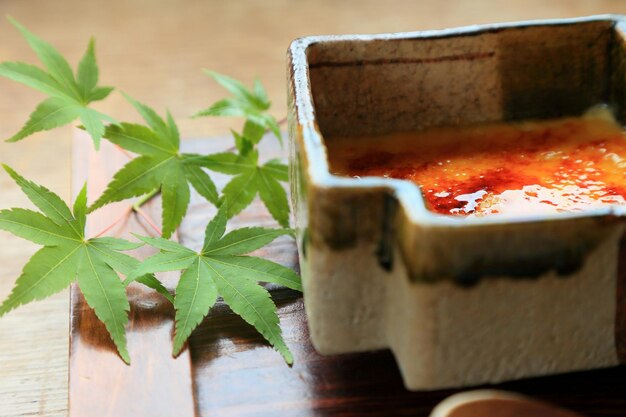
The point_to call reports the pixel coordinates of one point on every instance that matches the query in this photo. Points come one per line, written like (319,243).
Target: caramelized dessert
(509,169)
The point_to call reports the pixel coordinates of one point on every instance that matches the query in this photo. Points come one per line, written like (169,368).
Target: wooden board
(100,383)
(234,371)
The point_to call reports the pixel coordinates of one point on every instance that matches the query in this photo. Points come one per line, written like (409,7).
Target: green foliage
(221,269)
(67,254)
(69,95)
(160,166)
(250,179)
(250,104)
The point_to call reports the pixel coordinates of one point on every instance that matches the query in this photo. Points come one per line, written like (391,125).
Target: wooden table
(153,50)
(229,369)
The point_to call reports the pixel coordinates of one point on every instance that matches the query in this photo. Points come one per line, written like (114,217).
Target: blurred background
(154,50)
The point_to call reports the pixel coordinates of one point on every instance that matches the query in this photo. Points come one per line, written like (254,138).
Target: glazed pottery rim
(408,194)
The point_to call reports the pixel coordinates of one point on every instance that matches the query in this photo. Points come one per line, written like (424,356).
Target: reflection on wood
(100,383)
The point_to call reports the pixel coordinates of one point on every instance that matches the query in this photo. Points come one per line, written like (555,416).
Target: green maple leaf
(68,256)
(251,104)
(250,179)
(220,269)
(69,95)
(161,166)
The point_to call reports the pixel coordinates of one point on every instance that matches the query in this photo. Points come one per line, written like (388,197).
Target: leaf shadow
(148,311)
(224,333)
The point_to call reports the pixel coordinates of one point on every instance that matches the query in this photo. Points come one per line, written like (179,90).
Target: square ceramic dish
(382,271)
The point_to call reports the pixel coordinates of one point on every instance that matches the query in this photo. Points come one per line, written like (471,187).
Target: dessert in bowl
(459,197)
(504,169)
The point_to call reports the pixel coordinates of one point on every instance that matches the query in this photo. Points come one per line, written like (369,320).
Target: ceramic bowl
(459,301)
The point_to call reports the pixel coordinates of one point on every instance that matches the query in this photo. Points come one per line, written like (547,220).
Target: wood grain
(153,50)
(100,383)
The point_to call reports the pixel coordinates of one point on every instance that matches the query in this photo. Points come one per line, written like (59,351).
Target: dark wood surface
(236,373)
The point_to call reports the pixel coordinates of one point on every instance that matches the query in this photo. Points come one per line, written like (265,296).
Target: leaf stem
(279,123)
(143,200)
(124,216)
(148,220)
(140,202)
(124,151)
(137,209)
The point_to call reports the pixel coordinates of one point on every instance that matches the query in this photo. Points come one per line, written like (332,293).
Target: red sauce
(568,164)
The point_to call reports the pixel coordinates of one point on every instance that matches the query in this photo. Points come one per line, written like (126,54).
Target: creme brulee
(568,164)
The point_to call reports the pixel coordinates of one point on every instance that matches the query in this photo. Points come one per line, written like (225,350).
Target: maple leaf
(69,95)
(221,269)
(161,166)
(250,179)
(251,104)
(67,256)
